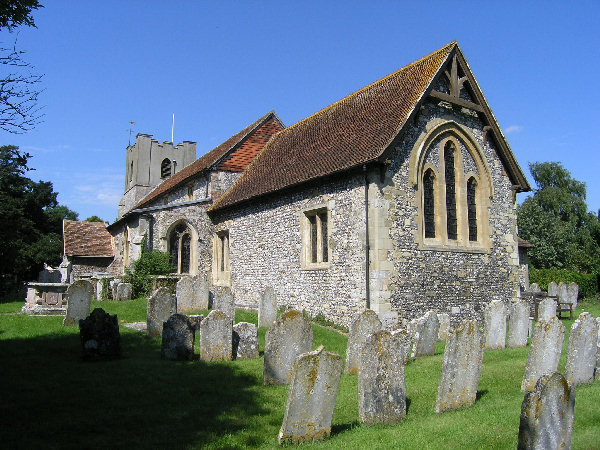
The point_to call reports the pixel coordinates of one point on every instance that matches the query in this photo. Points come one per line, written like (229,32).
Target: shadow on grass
(51,398)
(480,394)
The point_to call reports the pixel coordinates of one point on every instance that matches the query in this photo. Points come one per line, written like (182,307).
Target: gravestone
(289,336)
(563,293)
(223,301)
(79,302)
(196,320)
(365,324)
(495,325)
(518,324)
(177,339)
(582,350)
(113,288)
(311,397)
(389,320)
(201,293)
(100,294)
(444,320)
(124,292)
(415,328)
(553,289)
(535,288)
(161,305)
(598,351)
(245,341)
(381,389)
(544,353)
(463,358)
(100,336)
(547,414)
(216,334)
(267,308)
(547,309)
(404,341)
(186,299)
(573,294)
(426,336)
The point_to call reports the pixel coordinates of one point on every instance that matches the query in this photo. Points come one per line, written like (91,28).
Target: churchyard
(52,398)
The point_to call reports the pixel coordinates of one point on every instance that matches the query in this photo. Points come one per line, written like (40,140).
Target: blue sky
(218,66)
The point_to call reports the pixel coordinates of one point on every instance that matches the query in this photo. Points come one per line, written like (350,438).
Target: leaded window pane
(174,249)
(451,219)
(323,217)
(313,238)
(429,204)
(185,253)
(472,208)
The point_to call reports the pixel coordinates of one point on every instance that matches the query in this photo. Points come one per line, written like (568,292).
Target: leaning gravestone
(100,337)
(573,294)
(463,358)
(535,288)
(185,295)
(427,335)
(79,295)
(404,341)
(161,305)
(361,328)
(415,328)
(216,332)
(124,291)
(547,309)
(381,390)
(547,414)
(311,397)
(289,336)
(444,320)
(201,293)
(177,339)
(223,301)
(553,289)
(267,308)
(544,353)
(581,354)
(495,325)
(518,324)
(245,341)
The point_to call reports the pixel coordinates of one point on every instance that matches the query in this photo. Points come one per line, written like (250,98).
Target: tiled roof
(238,151)
(351,132)
(87,239)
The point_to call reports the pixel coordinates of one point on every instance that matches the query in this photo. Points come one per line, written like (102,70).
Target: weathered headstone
(547,414)
(100,337)
(553,289)
(161,305)
(544,353)
(361,328)
(223,301)
(518,324)
(404,341)
(381,389)
(113,288)
(426,336)
(444,320)
(267,308)
(79,295)
(563,293)
(389,320)
(124,291)
(415,329)
(216,333)
(534,287)
(495,325)
(311,397)
(201,293)
(581,354)
(289,336)
(573,294)
(184,291)
(463,358)
(196,320)
(547,309)
(177,339)
(245,341)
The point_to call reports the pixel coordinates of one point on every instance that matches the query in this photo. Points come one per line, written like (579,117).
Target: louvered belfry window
(449,171)
(429,203)
(472,208)
(165,168)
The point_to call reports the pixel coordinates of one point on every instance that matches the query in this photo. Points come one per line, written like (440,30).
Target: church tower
(148,163)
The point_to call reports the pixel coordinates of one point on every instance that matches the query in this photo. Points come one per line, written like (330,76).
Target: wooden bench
(563,308)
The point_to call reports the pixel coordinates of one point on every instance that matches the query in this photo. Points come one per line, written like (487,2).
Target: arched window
(180,242)
(472,208)
(429,203)
(449,171)
(165,168)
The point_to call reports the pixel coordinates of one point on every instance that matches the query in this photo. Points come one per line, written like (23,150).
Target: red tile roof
(87,239)
(233,155)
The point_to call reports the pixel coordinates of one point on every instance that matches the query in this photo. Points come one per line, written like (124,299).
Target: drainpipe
(367,247)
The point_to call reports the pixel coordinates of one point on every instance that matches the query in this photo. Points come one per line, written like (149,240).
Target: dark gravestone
(177,338)
(100,337)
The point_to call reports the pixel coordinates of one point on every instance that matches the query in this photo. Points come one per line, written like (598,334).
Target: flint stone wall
(366,324)
(311,397)
(177,339)
(544,353)
(518,324)
(581,353)
(161,305)
(216,334)
(80,294)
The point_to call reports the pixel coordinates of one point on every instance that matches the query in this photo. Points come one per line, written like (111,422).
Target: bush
(588,283)
(149,263)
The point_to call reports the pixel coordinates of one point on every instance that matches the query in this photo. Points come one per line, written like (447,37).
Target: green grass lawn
(52,399)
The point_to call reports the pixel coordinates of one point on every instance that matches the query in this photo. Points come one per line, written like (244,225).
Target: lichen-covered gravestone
(177,339)
(553,289)
(404,341)
(547,414)
(289,336)
(495,325)
(161,305)
(544,353)
(563,293)
(381,390)
(113,288)
(426,337)
(100,336)
(267,308)
(535,288)
(518,324)
(223,301)
(216,332)
(311,397)
(573,294)
(547,309)
(245,341)
(463,358)
(366,324)
(581,355)
(185,295)
(124,291)
(201,293)
(389,320)
(80,295)
(444,320)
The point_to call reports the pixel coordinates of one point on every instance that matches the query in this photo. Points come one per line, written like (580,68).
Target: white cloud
(513,129)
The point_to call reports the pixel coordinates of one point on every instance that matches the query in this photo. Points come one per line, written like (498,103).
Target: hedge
(588,283)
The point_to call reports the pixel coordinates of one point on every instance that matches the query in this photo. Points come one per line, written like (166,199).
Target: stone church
(400,197)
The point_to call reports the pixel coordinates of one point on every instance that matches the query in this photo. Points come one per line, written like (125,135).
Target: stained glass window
(451,220)
(429,203)
(472,208)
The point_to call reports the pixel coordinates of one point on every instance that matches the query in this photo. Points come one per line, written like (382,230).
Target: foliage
(94,219)
(149,263)
(555,220)
(17,12)
(588,283)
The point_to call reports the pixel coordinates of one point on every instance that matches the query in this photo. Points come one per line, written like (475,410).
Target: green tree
(17,12)
(94,219)
(556,221)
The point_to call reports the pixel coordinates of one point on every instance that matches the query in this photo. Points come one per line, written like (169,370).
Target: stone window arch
(429,203)
(472,208)
(181,247)
(165,168)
